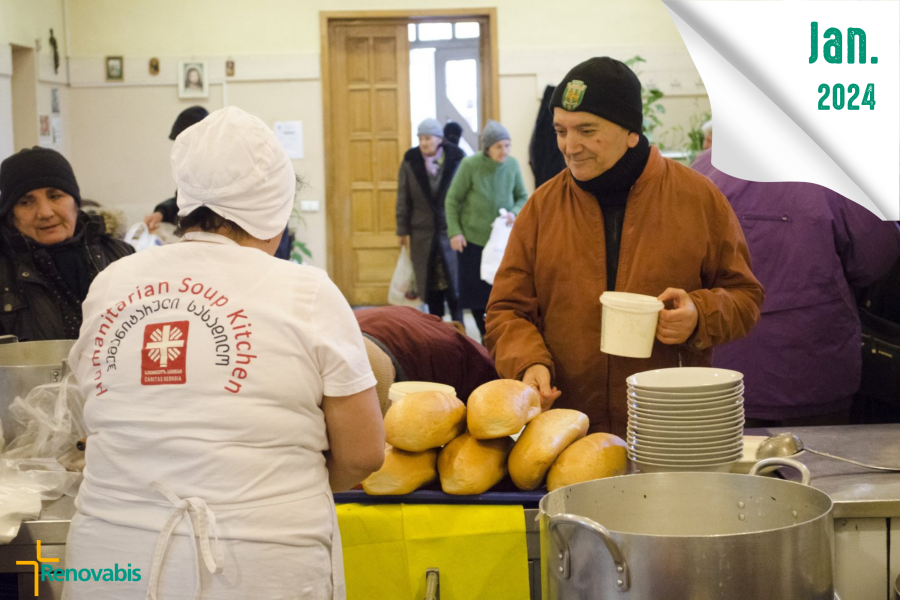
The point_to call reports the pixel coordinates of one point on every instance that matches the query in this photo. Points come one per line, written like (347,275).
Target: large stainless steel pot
(680,536)
(26,365)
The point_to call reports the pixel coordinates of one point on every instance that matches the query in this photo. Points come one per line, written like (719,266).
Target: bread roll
(596,456)
(470,466)
(542,441)
(500,408)
(402,472)
(423,420)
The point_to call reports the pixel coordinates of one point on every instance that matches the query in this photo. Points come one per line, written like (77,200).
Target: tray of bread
(498,448)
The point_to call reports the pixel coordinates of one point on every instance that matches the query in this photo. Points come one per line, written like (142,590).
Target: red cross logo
(164,356)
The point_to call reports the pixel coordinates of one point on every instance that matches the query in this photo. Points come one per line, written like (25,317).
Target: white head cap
(232,163)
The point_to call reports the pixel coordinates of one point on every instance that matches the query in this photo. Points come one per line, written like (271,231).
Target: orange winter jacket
(679,231)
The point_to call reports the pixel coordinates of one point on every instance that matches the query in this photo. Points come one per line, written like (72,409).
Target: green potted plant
(650,99)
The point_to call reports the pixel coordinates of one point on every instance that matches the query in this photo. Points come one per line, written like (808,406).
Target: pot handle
(622,582)
(782,462)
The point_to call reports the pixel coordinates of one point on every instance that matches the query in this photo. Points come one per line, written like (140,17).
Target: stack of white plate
(685,419)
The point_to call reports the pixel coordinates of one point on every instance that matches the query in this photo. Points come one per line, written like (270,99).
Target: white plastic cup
(629,324)
(402,388)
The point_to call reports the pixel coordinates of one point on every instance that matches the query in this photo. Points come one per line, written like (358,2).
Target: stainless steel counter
(857,492)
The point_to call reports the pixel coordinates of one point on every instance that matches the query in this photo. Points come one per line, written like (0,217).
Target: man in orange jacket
(620,217)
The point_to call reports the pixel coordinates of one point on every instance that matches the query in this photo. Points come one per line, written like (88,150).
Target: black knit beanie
(604,87)
(186,118)
(32,169)
(452,132)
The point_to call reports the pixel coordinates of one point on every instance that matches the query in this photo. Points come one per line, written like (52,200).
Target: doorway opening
(383,72)
(444,71)
(24,97)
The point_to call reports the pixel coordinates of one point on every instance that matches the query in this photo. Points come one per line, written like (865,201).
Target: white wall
(6,118)
(28,23)
(116,133)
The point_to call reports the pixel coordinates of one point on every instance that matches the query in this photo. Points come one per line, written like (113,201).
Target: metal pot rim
(542,505)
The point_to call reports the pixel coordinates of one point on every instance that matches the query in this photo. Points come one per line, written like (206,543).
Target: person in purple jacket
(810,248)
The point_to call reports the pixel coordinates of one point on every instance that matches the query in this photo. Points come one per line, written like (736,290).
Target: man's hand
(153,220)
(458,242)
(403,241)
(677,324)
(510,218)
(538,377)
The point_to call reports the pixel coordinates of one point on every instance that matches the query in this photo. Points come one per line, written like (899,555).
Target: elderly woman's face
(499,150)
(46,215)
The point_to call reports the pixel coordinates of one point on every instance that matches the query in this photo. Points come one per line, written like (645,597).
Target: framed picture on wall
(115,70)
(192,80)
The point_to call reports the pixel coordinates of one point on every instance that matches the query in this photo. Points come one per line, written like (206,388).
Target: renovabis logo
(46,572)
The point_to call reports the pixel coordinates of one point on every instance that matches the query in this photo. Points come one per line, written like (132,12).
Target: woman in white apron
(228,393)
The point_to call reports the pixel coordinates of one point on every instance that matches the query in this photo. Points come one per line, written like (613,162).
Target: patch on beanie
(573,95)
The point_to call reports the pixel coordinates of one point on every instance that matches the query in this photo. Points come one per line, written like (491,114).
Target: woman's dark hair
(206,219)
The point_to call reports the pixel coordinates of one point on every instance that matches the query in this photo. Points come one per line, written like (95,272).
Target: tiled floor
(471,327)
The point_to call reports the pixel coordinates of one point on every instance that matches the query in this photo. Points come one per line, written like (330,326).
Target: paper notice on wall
(802,91)
(44,121)
(56,130)
(290,134)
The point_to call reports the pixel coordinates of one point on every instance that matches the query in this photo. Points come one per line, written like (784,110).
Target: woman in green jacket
(484,183)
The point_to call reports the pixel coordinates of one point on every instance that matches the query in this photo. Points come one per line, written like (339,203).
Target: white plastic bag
(50,420)
(24,483)
(144,239)
(496,246)
(403,284)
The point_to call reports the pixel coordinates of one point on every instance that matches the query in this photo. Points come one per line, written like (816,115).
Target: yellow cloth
(480,551)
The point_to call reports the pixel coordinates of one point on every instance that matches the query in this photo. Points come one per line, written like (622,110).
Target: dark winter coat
(29,309)
(420,214)
(544,155)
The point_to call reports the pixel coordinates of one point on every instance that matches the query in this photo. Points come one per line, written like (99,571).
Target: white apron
(203,365)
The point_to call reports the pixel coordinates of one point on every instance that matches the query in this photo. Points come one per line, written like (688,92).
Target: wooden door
(368,104)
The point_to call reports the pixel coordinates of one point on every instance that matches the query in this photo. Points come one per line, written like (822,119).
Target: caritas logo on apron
(164,354)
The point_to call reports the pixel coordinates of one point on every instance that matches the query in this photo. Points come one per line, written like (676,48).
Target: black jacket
(169,210)
(546,159)
(28,307)
(421,216)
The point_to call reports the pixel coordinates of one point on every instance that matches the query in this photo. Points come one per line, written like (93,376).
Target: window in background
(422,103)
(467,30)
(462,88)
(432,32)
(445,76)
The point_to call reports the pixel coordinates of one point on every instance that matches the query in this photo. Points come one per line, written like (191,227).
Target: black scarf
(67,269)
(611,190)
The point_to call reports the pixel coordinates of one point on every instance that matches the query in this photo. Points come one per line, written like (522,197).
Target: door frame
(490,85)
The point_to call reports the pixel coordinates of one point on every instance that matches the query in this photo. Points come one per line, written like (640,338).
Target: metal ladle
(788,444)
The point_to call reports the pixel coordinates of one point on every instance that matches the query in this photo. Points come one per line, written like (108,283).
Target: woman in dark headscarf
(50,251)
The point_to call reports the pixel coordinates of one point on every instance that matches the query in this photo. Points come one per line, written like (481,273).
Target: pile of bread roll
(433,434)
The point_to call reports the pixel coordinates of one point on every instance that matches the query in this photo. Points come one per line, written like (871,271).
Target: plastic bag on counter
(493,251)
(403,284)
(50,421)
(24,484)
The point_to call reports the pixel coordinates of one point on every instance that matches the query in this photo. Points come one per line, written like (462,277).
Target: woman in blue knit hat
(50,251)
(484,183)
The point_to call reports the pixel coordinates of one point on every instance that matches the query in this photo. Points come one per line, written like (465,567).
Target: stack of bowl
(685,419)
